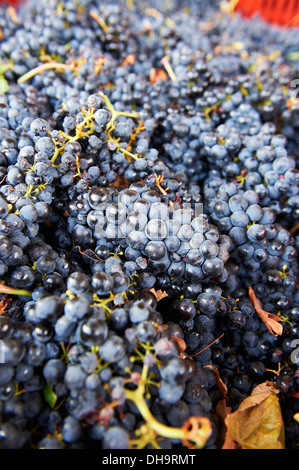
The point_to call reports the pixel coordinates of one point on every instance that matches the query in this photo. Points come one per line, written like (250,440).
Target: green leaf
(50,396)
(4,87)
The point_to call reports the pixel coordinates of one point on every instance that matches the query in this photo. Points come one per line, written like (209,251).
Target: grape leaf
(219,382)
(222,408)
(129,60)
(271,321)
(158,74)
(257,423)
(49,395)
(181,344)
(159,294)
(120,182)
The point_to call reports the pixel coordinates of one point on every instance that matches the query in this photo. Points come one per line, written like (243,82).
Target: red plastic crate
(280,12)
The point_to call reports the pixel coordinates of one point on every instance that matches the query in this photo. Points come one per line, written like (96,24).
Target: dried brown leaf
(271,321)
(129,60)
(222,408)
(264,388)
(159,294)
(257,423)
(157,74)
(181,344)
(229,442)
(219,382)
(222,411)
(121,182)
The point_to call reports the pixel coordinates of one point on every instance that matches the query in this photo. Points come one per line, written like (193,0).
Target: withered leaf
(219,382)
(158,74)
(222,408)
(121,182)
(129,60)
(271,321)
(181,344)
(257,423)
(159,294)
(229,442)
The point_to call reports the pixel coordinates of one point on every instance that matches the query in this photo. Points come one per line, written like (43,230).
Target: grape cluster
(148,212)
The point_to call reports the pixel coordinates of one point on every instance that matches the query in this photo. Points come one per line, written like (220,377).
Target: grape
(76,309)
(171,393)
(74,377)
(116,438)
(93,332)
(78,283)
(54,371)
(113,349)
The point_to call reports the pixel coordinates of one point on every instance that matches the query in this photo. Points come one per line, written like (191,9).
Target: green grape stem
(12,291)
(43,67)
(137,396)
(113,111)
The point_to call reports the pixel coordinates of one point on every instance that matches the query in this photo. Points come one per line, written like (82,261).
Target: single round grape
(156,229)
(93,332)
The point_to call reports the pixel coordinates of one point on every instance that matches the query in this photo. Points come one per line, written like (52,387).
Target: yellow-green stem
(29,190)
(137,396)
(11,291)
(42,68)
(115,113)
